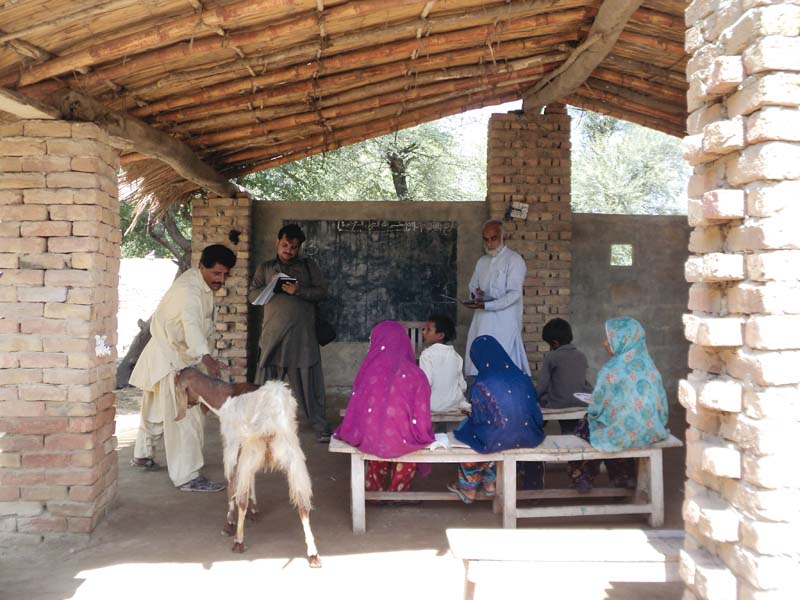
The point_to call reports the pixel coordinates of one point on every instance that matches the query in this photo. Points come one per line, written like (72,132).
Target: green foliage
(622,168)
(138,242)
(427,158)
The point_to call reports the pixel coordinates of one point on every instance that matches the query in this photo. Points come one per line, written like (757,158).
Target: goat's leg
(311,548)
(238,541)
(230,519)
(252,509)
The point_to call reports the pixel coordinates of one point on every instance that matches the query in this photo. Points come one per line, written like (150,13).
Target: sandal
(201,484)
(147,464)
(454,487)
(489,493)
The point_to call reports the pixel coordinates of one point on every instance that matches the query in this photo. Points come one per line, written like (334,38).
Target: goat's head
(184,395)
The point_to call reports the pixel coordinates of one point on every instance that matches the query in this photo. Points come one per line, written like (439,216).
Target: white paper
(583,397)
(441,441)
(269,290)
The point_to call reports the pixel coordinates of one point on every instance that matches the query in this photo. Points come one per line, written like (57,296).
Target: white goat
(259,432)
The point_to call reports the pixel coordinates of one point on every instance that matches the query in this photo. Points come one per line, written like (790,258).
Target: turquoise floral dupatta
(629,406)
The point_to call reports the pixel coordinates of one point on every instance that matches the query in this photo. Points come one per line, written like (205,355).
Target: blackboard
(379,270)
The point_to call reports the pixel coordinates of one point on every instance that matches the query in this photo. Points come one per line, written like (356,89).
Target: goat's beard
(494,252)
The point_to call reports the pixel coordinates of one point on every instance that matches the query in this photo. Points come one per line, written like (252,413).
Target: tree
(622,168)
(166,235)
(425,162)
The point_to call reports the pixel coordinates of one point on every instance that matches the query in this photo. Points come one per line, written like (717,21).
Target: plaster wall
(340,360)
(651,290)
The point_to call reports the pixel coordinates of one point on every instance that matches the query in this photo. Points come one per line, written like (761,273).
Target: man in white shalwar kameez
(182,330)
(496,291)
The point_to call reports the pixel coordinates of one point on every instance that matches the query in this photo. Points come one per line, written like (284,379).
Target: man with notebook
(288,346)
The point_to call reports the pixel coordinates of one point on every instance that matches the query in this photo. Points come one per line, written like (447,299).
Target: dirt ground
(158,541)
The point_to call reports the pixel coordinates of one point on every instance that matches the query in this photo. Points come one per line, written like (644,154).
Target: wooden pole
(25,108)
(607,26)
(129,133)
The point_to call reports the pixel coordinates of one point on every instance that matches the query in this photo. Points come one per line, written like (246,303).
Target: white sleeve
(194,329)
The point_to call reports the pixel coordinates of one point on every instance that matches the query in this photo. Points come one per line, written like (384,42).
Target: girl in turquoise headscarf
(629,405)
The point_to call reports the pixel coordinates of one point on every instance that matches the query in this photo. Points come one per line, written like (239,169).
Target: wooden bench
(648,498)
(523,555)
(414,331)
(548,414)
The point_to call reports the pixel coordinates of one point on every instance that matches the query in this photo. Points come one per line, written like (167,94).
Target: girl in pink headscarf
(389,412)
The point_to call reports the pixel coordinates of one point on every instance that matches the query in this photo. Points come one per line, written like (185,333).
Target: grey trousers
(308,386)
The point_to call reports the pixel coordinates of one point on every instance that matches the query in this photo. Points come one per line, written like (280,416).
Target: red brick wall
(212,221)
(59,253)
(529,161)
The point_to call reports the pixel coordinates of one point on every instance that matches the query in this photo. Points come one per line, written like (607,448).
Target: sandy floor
(158,541)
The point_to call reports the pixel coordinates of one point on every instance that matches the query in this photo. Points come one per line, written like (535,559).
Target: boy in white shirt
(442,365)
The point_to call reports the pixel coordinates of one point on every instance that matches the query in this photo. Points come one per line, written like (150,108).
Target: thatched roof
(251,84)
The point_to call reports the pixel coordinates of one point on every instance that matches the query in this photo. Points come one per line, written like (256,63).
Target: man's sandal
(145,464)
(201,484)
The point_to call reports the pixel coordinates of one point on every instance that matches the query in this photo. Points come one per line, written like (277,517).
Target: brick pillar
(529,161)
(742,396)
(213,219)
(59,253)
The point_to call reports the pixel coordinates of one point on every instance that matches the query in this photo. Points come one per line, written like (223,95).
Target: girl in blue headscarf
(629,405)
(505,414)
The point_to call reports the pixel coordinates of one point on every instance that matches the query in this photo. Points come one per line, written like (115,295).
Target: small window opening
(621,255)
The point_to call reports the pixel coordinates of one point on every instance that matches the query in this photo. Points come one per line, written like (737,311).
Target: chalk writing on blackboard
(374,226)
(378,269)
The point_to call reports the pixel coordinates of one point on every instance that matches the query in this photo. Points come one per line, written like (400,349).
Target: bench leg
(497,501)
(509,493)
(656,518)
(357,498)
(469,586)
(642,493)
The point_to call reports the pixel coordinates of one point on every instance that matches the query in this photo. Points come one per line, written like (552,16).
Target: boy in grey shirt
(563,372)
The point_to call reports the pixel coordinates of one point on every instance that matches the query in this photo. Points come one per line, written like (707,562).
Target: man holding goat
(182,331)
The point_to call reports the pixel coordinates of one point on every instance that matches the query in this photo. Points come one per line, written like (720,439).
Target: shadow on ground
(158,542)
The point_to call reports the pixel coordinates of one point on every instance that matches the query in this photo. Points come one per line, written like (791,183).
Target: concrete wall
(652,290)
(341,359)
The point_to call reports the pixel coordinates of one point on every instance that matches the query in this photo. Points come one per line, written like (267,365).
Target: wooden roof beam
(471,79)
(129,133)
(25,108)
(353,135)
(607,26)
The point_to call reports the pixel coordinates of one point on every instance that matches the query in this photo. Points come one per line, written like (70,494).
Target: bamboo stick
(439,73)
(168,31)
(366,94)
(663,46)
(592,104)
(664,109)
(433,45)
(638,106)
(676,96)
(606,28)
(67,20)
(320,87)
(360,134)
(645,70)
(471,78)
(273,33)
(306,138)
